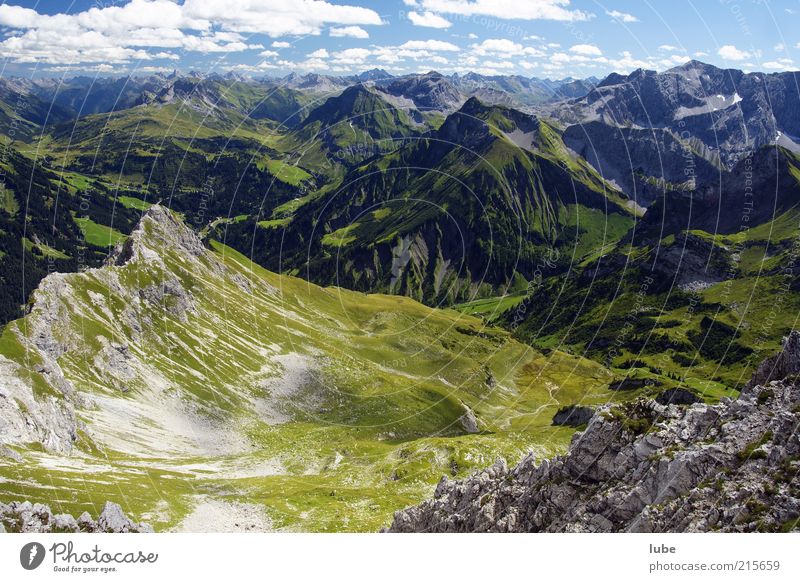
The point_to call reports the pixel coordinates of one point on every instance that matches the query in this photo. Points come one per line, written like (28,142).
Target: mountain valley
(295,303)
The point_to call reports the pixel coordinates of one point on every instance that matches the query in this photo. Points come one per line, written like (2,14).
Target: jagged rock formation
(653,133)
(27,517)
(646,467)
(727,109)
(784,365)
(43,411)
(431,91)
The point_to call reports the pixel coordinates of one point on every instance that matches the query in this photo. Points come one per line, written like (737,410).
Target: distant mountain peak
(374,75)
(473,105)
(694,65)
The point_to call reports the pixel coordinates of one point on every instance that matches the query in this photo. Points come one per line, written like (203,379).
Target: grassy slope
(513,199)
(373,427)
(97,234)
(755,305)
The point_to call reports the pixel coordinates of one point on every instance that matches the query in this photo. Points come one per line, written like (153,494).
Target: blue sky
(541,38)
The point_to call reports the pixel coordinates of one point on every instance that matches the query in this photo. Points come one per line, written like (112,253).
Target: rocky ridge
(647,467)
(39,405)
(27,517)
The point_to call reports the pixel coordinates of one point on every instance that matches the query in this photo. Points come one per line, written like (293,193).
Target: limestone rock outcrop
(647,467)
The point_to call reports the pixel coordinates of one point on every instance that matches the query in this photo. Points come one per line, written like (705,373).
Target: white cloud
(780,65)
(673,60)
(424,51)
(277,18)
(428,19)
(124,32)
(497,45)
(731,53)
(567,58)
(268,54)
(586,49)
(281,44)
(779,48)
(430,45)
(621,16)
(350,31)
(507,9)
(667,47)
(627,63)
(498,64)
(472,35)
(504,47)
(351,56)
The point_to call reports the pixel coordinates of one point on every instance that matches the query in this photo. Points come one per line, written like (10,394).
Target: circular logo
(31,555)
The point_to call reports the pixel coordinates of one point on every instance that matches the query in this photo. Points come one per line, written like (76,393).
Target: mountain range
(304,299)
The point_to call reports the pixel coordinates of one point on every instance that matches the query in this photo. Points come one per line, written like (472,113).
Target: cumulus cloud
(429,20)
(281,44)
(432,45)
(506,9)
(351,31)
(504,47)
(780,65)
(731,53)
(586,49)
(426,51)
(621,16)
(351,56)
(126,32)
(627,62)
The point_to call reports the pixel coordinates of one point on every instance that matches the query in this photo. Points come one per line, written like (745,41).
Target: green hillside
(688,304)
(463,212)
(205,379)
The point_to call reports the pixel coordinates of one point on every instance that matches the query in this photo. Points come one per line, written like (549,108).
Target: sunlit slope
(701,291)
(197,379)
(470,210)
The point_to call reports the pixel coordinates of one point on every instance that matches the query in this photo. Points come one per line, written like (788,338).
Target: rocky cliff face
(38,401)
(645,467)
(654,133)
(728,110)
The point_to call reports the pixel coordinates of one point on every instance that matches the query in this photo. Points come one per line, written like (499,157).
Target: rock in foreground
(26,517)
(647,467)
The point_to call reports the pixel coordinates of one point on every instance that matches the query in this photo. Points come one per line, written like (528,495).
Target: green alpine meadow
(445,284)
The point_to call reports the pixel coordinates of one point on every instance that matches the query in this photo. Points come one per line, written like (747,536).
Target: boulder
(25,517)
